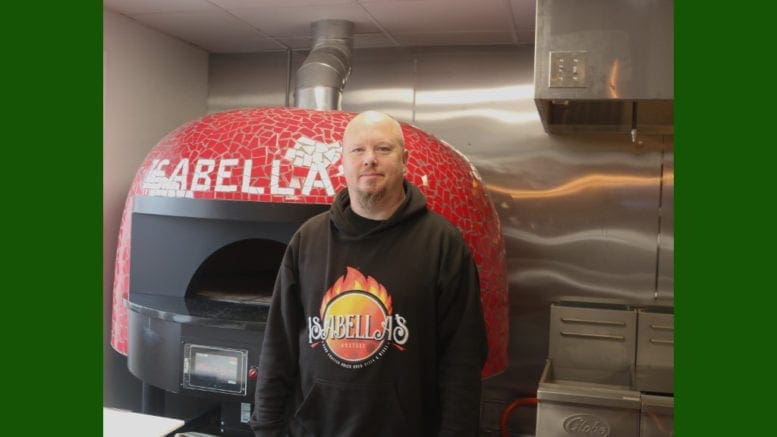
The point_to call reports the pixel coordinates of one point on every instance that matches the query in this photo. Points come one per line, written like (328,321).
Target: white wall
(152,83)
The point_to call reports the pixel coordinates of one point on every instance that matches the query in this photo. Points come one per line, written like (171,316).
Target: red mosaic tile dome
(289,155)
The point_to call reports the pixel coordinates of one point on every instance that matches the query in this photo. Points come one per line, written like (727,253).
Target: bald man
(375,161)
(375,326)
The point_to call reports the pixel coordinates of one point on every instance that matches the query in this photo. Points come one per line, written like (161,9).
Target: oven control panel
(215,369)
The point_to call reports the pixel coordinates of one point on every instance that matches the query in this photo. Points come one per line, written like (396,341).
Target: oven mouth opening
(242,272)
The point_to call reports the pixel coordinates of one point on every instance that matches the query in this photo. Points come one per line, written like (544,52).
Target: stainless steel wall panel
(382,80)
(479,99)
(246,81)
(582,220)
(665,275)
(579,213)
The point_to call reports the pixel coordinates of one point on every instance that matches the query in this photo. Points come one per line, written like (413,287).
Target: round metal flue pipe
(321,77)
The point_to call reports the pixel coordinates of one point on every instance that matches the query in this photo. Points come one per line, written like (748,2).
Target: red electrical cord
(508,409)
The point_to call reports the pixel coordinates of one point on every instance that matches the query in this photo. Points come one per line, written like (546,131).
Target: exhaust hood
(605,66)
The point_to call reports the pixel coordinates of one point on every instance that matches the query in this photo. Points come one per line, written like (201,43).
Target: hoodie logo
(357,324)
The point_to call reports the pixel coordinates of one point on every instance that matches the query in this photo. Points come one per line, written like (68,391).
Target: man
(375,326)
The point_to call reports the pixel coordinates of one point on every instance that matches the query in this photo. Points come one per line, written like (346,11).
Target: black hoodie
(375,329)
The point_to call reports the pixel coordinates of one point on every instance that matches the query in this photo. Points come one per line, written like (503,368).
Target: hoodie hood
(413,206)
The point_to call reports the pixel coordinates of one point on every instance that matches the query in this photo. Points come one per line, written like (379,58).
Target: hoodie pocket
(346,409)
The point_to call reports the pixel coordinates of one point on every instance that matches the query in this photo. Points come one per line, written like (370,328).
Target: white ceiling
(242,26)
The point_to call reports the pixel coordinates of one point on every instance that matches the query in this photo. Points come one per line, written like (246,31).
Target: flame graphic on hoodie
(354,280)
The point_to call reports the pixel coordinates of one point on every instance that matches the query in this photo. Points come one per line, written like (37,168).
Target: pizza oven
(206,223)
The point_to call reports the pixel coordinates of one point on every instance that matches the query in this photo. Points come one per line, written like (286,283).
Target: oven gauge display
(215,369)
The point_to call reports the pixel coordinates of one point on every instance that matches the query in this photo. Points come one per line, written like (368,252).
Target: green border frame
(724,301)
(52,287)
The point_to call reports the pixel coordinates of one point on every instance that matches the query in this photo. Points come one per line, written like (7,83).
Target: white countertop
(122,423)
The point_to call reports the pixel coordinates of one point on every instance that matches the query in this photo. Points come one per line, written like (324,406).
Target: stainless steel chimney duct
(322,76)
